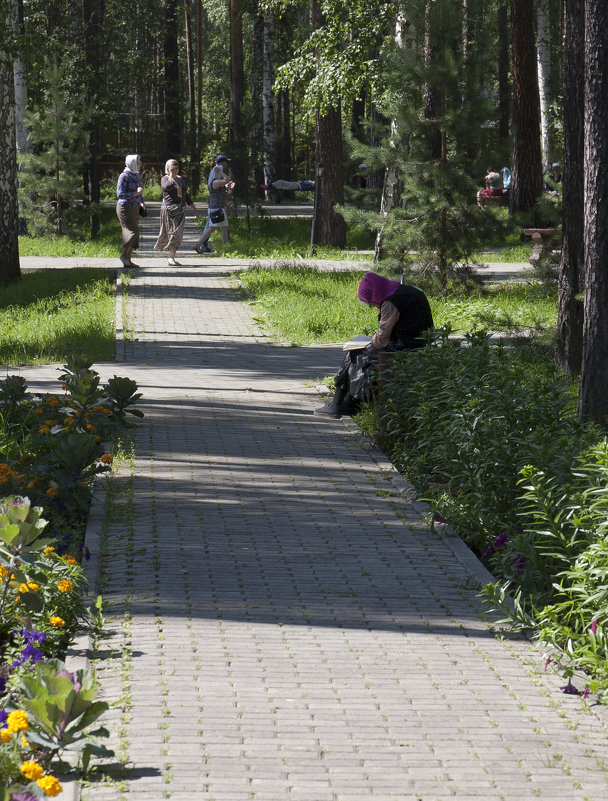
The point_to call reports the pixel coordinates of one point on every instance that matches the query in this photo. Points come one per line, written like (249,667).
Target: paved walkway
(280,623)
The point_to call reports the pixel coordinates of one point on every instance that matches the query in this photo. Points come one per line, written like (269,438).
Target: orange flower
(106,458)
(65,585)
(50,785)
(51,491)
(31,770)
(57,622)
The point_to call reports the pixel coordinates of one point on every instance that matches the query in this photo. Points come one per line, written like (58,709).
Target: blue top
(128,182)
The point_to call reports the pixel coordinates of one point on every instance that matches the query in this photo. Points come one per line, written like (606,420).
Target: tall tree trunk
(93,12)
(268,115)
(173,107)
(504,89)
(331,227)
(593,398)
(195,172)
(543,38)
(572,274)
(24,144)
(257,128)
(527,180)
(430,96)
(9,210)
(236,131)
(389,185)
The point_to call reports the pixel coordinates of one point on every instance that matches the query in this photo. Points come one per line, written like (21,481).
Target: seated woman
(404,314)
(494,186)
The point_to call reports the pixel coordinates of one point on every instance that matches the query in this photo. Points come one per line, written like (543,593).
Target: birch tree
(268,107)
(543,60)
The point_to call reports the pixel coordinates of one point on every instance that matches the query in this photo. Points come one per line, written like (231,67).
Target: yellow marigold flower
(23,588)
(50,785)
(17,721)
(70,560)
(4,572)
(58,622)
(45,430)
(106,458)
(91,428)
(5,735)
(38,410)
(31,485)
(3,478)
(31,770)
(51,491)
(52,401)
(68,420)
(24,742)
(65,585)
(49,422)
(33,586)
(49,550)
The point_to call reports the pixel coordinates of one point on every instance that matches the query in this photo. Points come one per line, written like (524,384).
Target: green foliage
(63,708)
(122,392)
(308,306)
(51,176)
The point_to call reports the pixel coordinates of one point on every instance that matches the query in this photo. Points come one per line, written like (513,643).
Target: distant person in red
(494,185)
(404,313)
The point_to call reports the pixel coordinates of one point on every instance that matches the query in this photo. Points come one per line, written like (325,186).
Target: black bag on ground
(217,216)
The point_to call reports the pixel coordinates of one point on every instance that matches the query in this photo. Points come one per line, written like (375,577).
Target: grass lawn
(50,313)
(307,307)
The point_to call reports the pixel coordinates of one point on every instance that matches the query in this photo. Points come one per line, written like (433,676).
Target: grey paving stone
(294,635)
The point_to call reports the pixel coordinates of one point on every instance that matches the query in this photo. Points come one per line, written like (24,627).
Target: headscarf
(374,289)
(131,163)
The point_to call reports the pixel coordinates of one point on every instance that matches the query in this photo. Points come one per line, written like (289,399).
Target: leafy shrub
(489,434)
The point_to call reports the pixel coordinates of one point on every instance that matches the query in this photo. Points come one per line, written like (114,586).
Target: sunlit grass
(50,313)
(303,306)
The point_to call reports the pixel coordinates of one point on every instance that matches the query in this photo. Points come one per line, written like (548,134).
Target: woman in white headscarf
(129,191)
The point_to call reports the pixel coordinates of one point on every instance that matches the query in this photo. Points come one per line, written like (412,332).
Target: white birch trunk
(387,201)
(268,115)
(544,78)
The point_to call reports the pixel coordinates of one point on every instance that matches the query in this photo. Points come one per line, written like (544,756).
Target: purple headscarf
(375,289)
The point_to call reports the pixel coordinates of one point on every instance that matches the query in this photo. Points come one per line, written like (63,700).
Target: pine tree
(436,142)
(52,180)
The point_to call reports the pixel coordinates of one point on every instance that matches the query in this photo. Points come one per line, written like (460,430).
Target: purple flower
(587,692)
(2,684)
(29,654)
(3,718)
(86,553)
(519,563)
(593,627)
(570,689)
(23,795)
(30,636)
(547,661)
(500,540)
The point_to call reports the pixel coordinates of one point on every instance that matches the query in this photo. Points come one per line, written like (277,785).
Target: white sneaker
(173,263)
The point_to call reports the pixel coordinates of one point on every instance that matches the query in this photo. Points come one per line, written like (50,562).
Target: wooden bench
(542,239)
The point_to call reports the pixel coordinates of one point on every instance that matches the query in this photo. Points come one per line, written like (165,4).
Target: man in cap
(219,184)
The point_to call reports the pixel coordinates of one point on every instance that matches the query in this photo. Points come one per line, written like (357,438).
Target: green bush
(490,436)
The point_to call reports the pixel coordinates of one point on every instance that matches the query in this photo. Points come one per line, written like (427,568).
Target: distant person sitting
(494,186)
(289,186)
(553,180)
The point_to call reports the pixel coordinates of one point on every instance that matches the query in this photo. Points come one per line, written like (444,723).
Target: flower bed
(53,447)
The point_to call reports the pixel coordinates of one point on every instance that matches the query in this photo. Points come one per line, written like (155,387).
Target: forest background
(427,93)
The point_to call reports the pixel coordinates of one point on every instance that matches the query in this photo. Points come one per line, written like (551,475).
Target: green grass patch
(304,306)
(263,237)
(106,245)
(49,314)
